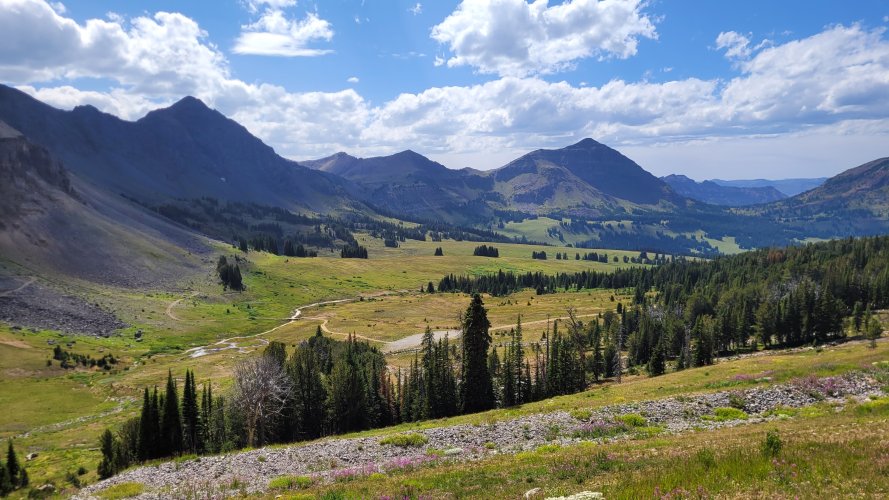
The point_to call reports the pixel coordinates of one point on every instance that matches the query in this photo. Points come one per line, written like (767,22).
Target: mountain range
(716,194)
(106,172)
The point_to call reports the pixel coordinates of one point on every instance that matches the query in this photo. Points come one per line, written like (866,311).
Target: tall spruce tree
(171,420)
(476,389)
(191,417)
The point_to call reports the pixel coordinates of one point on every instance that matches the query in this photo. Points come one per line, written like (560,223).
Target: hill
(713,193)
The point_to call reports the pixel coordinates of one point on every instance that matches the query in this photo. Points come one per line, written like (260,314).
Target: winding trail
(169,311)
(31,280)
(229,343)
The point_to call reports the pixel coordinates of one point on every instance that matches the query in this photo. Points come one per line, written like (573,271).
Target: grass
(122,490)
(291,482)
(405,440)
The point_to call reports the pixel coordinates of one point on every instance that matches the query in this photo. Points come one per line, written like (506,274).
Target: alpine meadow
(536,249)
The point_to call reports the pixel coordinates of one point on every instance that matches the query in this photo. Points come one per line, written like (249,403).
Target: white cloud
(352,79)
(255,6)
(273,34)
(516,38)
(59,7)
(835,82)
(417,9)
(737,45)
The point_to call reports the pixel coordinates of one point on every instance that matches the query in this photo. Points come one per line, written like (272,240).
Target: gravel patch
(336,458)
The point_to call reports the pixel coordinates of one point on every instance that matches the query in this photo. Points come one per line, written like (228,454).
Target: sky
(731,90)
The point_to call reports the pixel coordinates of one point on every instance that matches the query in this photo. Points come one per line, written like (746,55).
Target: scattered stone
(31,456)
(583,495)
(333,458)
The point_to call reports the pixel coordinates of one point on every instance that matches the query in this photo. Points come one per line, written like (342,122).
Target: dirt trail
(229,343)
(169,311)
(31,279)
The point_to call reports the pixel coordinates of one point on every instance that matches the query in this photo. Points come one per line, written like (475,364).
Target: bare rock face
(29,175)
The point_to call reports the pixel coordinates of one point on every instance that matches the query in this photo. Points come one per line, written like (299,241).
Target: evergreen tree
(108,466)
(12,465)
(171,420)
(146,436)
(191,417)
(476,389)
(657,362)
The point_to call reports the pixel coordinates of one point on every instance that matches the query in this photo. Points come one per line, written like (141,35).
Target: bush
(405,440)
(632,420)
(736,400)
(726,414)
(291,482)
(772,444)
(581,413)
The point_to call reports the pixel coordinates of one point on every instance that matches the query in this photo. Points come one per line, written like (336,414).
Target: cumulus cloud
(273,34)
(836,81)
(736,45)
(352,79)
(516,38)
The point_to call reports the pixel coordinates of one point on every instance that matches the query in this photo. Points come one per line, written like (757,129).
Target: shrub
(581,413)
(772,444)
(405,440)
(726,414)
(632,420)
(736,400)
(291,482)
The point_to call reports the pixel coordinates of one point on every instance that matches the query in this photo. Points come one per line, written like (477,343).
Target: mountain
(604,169)
(715,194)
(53,223)
(789,187)
(185,151)
(410,185)
(854,202)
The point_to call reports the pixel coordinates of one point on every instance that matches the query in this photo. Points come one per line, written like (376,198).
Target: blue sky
(708,89)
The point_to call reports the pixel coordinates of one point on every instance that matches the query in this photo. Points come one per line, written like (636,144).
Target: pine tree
(191,417)
(476,389)
(171,420)
(107,467)
(12,465)
(146,429)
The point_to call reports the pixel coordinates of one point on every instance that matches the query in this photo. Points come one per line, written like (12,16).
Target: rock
(532,493)
(31,456)
(46,488)
(583,495)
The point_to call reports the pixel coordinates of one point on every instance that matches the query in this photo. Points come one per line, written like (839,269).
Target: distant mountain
(586,178)
(854,202)
(185,151)
(412,185)
(715,194)
(789,187)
